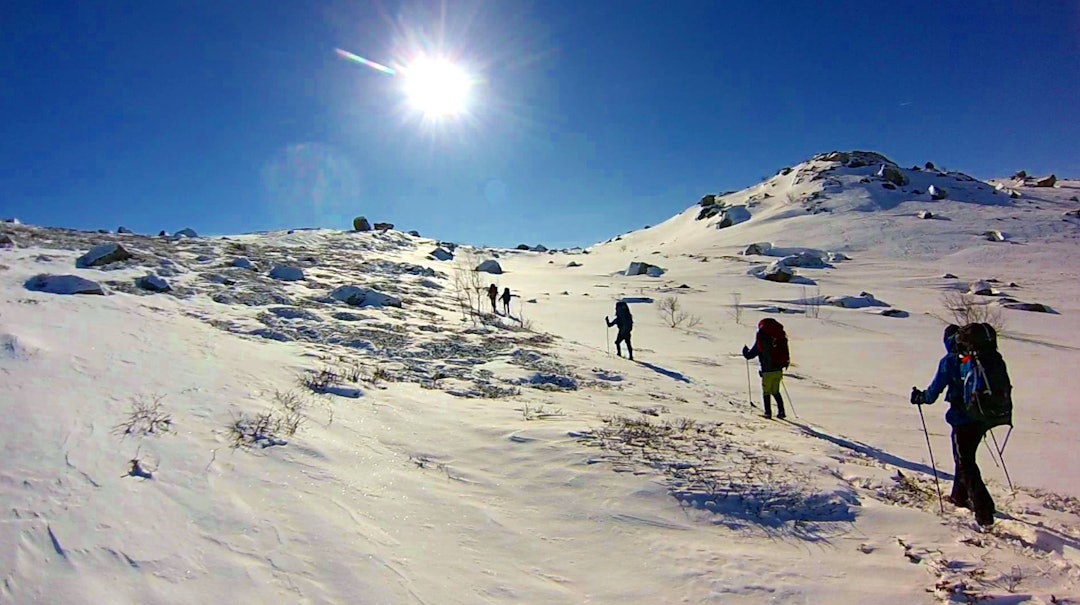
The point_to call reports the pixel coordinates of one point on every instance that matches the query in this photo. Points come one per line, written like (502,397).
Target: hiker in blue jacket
(968,490)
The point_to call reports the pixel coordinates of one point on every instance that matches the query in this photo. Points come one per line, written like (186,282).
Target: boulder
(707,200)
(980,288)
(153,283)
(357,296)
(757,249)
(1046,181)
(383,226)
(539,248)
(948,276)
(573,264)
(242,262)
(490,266)
(6,241)
(925,214)
(993,235)
(63,284)
(1020,175)
(929,166)
(778,272)
(937,193)
(640,268)
(733,216)
(124,230)
(836,257)
(441,253)
(186,232)
(709,211)
(808,260)
(523,246)
(162,233)
(287,273)
(414,233)
(892,174)
(103,254)
(361,224)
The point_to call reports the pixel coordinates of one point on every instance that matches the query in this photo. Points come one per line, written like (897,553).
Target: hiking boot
(781,415)
(767,416)
(984,518)
(958,502)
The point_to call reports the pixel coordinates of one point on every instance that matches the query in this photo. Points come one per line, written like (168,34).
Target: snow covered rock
(757,249)
(836,257)
(778,272)
(573,263)
(925,214)
(63,284)
(892,174)
(441,253)
(937,193)
(102,254)
(414,233)
(187,232)
(994,235)
(6,241)
(364,297)
(854,302)
(640,268)
(1035,307)
(361,224)
(490,266)
(153,283)
(242,262)
(124,230)
(1046,181)
(287,273)
(539,248)
(808,260)
(383,226)
(733,216)
(981,288)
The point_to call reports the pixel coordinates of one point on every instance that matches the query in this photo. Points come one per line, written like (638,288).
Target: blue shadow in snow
(669,373)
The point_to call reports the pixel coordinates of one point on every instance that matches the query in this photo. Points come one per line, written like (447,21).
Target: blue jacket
(948,379)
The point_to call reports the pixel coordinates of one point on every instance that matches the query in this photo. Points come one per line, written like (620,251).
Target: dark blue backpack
(987,388)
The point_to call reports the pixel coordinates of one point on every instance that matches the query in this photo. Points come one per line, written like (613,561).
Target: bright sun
(436,87)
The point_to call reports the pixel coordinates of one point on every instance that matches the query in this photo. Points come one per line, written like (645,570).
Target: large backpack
(987,388)
(622,314)
(776,340)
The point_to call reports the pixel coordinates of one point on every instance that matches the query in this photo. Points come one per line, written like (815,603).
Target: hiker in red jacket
(771,349)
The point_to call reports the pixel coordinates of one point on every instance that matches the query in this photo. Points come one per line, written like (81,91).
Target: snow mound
(358,296)
(287,273)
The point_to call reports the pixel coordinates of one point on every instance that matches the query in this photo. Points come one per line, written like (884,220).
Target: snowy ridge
(148,454)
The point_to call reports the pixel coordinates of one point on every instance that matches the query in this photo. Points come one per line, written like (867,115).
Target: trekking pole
(992,457)
(933,465)
(790,403)
(1003,467)
(607,338)
(1005,443)
(749,391)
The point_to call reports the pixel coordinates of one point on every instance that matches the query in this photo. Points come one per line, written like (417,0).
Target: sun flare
(436,87)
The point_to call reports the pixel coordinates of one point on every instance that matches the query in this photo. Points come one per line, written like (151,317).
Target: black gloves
(745,352)
(916,396)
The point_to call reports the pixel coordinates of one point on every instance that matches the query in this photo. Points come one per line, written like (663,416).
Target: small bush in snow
(736,307)
(541,413)
(965,309)
(269,428)
(145,417)
(670,310)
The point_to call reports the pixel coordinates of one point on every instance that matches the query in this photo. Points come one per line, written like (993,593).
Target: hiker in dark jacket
(968,490)
(506,301)
(625,321)
(493,294)
(768,351)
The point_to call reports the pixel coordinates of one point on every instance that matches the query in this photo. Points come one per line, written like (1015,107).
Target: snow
(449,461)
(287,273)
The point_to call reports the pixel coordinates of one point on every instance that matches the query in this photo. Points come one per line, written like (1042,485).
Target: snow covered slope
(216,433)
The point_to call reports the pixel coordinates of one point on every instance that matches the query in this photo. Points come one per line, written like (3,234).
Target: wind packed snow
(358,435)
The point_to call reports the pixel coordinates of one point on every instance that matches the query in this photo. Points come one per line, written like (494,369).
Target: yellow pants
(770,382)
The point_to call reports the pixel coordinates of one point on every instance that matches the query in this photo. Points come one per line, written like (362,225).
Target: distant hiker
(956,375)
(506,301)
(771,349)
(493,294)
(625,321)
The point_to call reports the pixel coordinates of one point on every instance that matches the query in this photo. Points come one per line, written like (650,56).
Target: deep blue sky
(594,116)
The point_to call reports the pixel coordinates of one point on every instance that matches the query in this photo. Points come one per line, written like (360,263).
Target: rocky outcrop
(937,193)
(357,296)
(361,224)
(287,273)
(383,226)
(187,232)
(778,272)
(757,249)
(925,214)
(124,230)
(640,268)
(1046,181)
(733,216)
(153,283)
(892,174)
(441,253)
(103,254)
